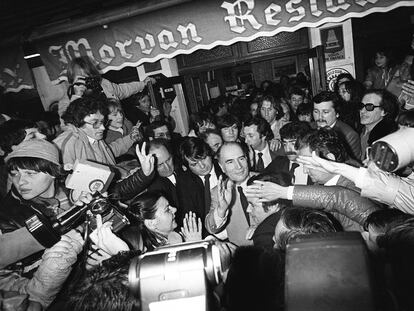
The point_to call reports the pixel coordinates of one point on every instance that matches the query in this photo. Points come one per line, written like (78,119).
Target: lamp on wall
(31,55)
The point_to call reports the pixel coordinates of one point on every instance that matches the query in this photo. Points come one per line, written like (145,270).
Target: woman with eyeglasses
(153,223)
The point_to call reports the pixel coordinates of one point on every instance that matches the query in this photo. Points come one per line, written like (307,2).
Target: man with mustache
(326,114)
(290,134)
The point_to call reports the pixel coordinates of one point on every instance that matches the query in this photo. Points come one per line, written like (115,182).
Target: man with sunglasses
(377,112)
(86,120)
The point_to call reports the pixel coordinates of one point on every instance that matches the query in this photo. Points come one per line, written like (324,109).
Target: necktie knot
(294,166)
(260,154)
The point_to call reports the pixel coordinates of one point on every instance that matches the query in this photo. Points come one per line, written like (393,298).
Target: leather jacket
(337,199)
(16,243)
(129,187)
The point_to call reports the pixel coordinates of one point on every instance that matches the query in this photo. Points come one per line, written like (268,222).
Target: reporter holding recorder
(37,188)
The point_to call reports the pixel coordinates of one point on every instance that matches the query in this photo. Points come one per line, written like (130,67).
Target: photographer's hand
(105,239)
(95,257)
(146,160)
(79,86)
(136,134)
(150,79)
(81,198)
(191,230)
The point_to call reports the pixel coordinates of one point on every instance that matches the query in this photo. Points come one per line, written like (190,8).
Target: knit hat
(35,148)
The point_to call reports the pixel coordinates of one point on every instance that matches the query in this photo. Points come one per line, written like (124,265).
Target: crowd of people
(253,175)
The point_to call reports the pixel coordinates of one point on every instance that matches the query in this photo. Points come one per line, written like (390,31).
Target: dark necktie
(260,164)
(244,203)
(207,195)
(292,171)
(97,152)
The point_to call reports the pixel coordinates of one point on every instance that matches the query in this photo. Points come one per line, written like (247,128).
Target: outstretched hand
(146,160)
(150,79)
(316,162)
(79,86)
(136,134)
(266,191)
(408,88)
(274,144)
(191,229)
(225,188)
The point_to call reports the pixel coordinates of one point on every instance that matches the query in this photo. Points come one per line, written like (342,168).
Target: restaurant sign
(14,71)
(194,25)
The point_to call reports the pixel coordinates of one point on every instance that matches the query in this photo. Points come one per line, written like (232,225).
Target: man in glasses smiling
(378,110)
(86,118)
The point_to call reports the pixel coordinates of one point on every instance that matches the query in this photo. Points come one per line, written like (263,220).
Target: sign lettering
(195,25)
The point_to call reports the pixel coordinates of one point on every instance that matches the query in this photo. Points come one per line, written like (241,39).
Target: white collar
(212,173)
(172,179)
(265,149)
(333,181)
(119,129)
(91,140)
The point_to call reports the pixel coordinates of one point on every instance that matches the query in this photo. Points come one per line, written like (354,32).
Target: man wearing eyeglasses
(86,120)
(377,112)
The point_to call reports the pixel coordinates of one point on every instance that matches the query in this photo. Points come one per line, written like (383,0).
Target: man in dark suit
(257,134)
(264,216)
(290,134)
(377,114)
(325,114)
(195,184)
(166,175)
